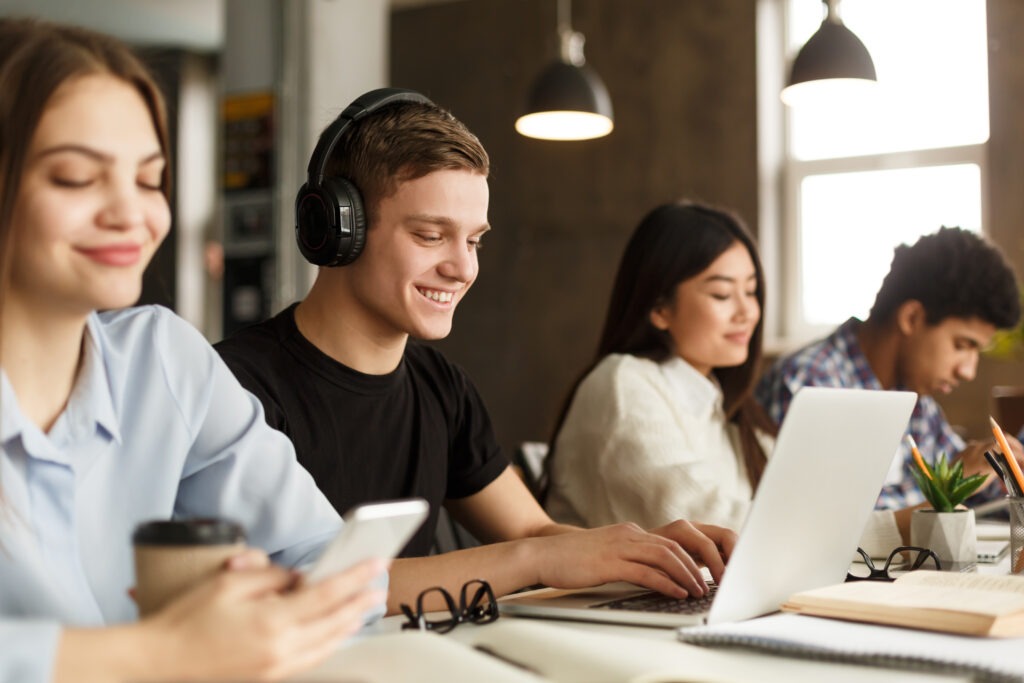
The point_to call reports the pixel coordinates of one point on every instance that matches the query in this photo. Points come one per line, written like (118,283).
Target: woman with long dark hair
(663,425)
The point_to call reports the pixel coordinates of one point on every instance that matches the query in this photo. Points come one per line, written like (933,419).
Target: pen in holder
(1016,505)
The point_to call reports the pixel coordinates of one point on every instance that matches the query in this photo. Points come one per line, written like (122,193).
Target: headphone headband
(365,104)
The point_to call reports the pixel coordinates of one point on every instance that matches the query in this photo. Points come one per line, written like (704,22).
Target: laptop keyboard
(656,602)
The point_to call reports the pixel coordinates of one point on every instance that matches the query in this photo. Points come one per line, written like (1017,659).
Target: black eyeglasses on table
(919,558)
(477,605)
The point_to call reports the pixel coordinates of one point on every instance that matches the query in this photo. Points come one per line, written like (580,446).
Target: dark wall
(681,75)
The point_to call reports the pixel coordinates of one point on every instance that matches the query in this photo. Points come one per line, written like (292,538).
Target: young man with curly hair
(940,305)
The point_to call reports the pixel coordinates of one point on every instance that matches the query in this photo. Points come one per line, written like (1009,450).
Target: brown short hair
(403,141)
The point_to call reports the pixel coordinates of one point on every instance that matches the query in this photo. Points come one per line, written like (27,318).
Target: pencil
(996,460)
(994,464)
(917,456)
(1011,484)
(1011,460)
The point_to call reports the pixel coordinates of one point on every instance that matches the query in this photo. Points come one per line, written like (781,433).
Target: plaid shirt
(837,361)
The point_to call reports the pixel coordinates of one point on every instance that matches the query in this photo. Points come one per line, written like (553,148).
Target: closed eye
(72,182)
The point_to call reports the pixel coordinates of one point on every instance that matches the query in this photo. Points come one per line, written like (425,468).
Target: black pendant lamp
(568,101)
(834,63)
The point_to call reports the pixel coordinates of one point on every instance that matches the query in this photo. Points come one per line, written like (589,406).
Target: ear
(658,319)
(911,317)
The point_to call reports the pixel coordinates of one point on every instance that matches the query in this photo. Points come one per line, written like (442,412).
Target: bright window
(916,201)
(863,177)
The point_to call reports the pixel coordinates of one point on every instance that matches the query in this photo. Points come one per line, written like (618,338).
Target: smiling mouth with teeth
(434,295)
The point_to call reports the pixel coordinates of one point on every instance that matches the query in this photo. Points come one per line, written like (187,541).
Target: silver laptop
(830,460)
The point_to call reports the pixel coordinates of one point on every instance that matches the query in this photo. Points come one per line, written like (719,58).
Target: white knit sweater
(648,443)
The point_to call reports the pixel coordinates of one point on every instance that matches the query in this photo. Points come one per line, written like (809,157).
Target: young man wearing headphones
(394,211)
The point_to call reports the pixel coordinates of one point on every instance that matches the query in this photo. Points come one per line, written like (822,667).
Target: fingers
(724,541)
(249,574)
(314,601)
(651,578)
(250,558)
(324,614)
(725,538)
(246,583)
(254,623)
(712,544)
(341,623)
(661,558)
(314,641)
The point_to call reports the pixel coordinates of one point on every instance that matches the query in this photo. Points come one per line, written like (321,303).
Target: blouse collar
(693,392)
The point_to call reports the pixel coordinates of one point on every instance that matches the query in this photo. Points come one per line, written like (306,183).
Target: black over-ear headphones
(330,223)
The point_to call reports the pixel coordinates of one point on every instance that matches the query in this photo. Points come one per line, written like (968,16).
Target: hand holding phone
(371,530)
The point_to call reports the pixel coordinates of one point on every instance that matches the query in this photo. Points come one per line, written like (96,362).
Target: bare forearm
(505,566)
(553,529)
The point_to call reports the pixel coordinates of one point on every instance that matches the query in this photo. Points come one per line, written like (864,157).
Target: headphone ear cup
(349,202)
(330,224)
(313,229)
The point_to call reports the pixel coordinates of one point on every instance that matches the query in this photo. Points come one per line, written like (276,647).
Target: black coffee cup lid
(196,531)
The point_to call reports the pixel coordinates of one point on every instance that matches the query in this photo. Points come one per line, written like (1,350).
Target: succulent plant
(944,485)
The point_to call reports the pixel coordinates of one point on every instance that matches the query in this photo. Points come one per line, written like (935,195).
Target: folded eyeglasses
(476,604)
(901,560)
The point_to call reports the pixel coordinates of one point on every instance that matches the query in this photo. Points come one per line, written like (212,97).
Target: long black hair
(673,243)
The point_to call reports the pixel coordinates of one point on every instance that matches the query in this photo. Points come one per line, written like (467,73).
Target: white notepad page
(998,659)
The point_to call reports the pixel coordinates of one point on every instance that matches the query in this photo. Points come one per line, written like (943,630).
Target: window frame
(779,219)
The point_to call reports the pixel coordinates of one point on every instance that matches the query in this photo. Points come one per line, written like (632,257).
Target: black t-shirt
(421,430)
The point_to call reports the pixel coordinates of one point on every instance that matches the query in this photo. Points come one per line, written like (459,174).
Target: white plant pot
(950,535)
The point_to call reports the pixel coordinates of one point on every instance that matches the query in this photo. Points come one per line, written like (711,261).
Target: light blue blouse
(156,427)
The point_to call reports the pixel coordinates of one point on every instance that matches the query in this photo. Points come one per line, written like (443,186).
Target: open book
(970,604)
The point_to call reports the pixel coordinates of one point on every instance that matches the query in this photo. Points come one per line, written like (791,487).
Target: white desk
(610,654)
(583,652)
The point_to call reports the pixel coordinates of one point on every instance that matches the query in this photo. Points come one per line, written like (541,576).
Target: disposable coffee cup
(173,556)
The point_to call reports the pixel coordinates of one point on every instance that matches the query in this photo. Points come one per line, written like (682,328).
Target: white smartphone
(371,530)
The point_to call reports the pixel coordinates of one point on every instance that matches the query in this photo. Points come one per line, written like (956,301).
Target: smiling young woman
(663,424)
(111,419)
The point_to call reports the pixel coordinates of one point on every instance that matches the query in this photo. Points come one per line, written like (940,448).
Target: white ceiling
(194,24)
(191,24)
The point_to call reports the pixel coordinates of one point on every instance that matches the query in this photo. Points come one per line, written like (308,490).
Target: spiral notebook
(986,660)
